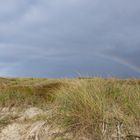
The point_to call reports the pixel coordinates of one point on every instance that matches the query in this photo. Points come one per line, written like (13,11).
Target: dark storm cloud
(51,38)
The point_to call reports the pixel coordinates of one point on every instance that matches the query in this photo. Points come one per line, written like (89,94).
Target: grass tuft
(97,107)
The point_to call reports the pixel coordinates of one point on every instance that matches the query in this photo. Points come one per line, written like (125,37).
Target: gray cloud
(62,38)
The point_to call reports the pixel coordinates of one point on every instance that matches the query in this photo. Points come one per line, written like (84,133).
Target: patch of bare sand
(23,128)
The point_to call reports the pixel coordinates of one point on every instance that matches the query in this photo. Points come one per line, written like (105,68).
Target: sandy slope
(27,125)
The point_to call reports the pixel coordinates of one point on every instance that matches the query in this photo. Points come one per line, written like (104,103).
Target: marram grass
(98,108)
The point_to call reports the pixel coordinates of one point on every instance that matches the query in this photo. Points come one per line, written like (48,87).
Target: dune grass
(25,92)
(99,108)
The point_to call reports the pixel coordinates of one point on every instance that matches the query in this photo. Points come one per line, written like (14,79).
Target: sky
(68,38)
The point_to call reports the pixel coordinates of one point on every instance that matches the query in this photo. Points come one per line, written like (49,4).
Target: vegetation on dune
(95,107)
(27,92)
(98,107)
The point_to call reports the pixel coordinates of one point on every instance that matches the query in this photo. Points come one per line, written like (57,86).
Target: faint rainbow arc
(123,62)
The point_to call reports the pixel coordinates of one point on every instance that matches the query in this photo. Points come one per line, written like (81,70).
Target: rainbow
(122,62)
